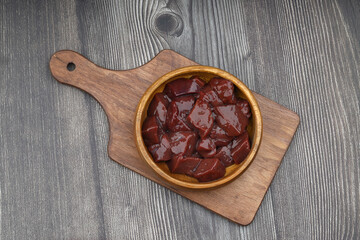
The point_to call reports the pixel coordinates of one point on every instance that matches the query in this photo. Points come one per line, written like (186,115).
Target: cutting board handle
(72,68)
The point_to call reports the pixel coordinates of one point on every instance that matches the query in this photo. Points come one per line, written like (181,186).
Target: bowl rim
(256,114)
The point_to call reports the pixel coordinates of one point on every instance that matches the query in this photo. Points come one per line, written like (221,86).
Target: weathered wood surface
(56,179)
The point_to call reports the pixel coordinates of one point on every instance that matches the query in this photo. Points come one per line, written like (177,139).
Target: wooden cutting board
(119,92)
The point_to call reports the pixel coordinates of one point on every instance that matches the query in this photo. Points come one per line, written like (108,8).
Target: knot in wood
(169,23)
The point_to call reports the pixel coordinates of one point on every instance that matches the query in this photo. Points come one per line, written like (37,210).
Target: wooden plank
(311,51)
(46,194)
(303,55)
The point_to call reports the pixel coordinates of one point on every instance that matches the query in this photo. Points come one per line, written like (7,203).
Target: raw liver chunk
(183,143)
(151,131)
(201,118)
(182,86)
(174,122)
(231,119)
(209,169)
(158,107)
(224,155)
(162,151)
(244,107)
(206,147)
(184,104)
(240,148)
(209,95)
(181,164)
(219,136)
(224,89)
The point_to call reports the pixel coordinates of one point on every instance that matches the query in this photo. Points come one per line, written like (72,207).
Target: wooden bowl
(206,73)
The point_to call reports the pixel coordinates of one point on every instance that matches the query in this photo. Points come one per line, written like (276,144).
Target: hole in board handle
(71,67)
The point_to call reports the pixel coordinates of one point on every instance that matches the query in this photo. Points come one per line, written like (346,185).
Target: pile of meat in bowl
(198,128)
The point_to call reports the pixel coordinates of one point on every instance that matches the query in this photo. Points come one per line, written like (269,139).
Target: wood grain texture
(238,200)
(304,55)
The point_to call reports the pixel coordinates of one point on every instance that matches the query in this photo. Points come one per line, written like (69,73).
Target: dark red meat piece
(174,122)
(231,119)
(181,164)
(240,148)
(209,169)
(219,136)
(183,143)
(151,131)
(224,155)
(206,148)
(201,118)
(244,107)
(224,89)
(184,104)
(161,151)
(209,95)
(182,86)
(158,107)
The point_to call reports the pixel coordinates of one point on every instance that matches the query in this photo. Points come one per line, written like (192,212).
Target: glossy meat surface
(231,119)
(209,95)
(198,128)
(206,147)
(184,104)
(244,107)
(183,143)
(158,107)
(224,89)
(185,165)
(161,151)
(240,148)
(224,155)
(150,131)
(219,136)
(174,121)
(201,118)
(209,169)
(183,86)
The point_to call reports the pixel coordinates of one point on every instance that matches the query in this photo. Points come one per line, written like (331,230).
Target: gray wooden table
(57,181)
